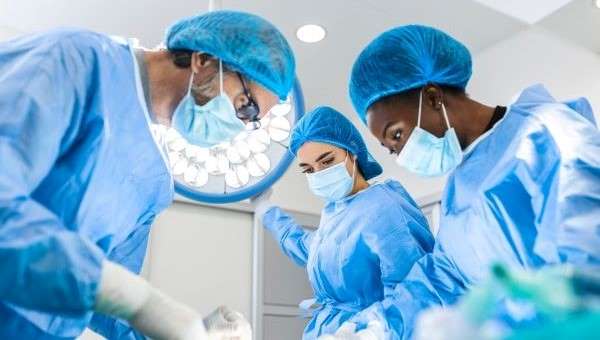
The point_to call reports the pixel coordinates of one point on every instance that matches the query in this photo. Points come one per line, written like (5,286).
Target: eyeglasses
(250,110)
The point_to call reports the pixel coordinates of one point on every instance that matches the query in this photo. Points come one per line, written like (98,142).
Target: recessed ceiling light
(311,33)
(597,3)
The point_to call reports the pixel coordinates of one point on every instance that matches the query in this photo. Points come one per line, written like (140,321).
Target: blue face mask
(428,155)
(209,124)
(333,183)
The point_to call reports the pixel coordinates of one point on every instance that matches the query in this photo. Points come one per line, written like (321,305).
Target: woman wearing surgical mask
(524,180)
(369,235)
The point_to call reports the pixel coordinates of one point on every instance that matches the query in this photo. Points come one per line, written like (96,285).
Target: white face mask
(333,183)
(427,155)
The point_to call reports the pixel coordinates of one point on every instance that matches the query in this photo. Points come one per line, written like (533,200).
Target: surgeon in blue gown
(524,180)
(369,235)
(82,177)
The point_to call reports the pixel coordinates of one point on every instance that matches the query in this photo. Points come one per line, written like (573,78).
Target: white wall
(536,56)
(7,33)
(203,257)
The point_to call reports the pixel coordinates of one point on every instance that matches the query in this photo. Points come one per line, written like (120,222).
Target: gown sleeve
(293,240)
(563,179)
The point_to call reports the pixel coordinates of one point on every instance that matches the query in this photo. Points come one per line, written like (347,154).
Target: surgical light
(237,168)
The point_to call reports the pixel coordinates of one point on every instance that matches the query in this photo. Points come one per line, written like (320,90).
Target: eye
(327,161)
(397,135)
(307,171)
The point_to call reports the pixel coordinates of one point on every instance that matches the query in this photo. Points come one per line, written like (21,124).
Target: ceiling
(578,22)
(323,67)
(529,11)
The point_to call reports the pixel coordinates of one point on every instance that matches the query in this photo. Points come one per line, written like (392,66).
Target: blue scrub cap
(326,125)
(245,42)
(405,58)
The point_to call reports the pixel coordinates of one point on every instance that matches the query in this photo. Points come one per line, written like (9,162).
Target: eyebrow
(323,156)
(318,158)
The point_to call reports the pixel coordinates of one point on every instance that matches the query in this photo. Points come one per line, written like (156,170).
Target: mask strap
(420,107)
(353,166)
(189,91)
(446,116)
(220,76)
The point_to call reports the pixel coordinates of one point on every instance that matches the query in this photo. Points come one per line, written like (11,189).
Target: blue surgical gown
(526,194)
(81,180)
(364,246)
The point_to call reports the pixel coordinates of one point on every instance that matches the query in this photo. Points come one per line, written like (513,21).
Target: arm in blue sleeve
(43,264)
(566,193)
(578,201)
(578,236)
(432,281)
(129,254)
(292,238)
(397,248)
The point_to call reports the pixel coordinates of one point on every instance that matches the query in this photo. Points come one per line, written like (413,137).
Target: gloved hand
(438,323)
(226,324)
(125,295)
(347,331)
(261,203)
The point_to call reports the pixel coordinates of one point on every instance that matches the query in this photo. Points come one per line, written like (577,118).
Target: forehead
(383,112)
(259,90)
(378,115)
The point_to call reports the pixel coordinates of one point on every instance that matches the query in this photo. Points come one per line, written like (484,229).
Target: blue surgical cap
(406,58)
(326,125)
(245,42)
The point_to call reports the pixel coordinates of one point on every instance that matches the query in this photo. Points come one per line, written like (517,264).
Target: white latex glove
(261,203)
(125,295)
(226,324)
(440,323)
(347,331)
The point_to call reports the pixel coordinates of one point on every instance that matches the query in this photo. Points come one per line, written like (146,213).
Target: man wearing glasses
(218,103)
(82,177)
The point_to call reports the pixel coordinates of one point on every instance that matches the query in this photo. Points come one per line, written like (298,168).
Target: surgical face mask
(209,124)
(333,183)
(428,155)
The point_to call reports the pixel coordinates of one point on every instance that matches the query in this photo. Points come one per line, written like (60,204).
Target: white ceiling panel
(578,22)
(528,11)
